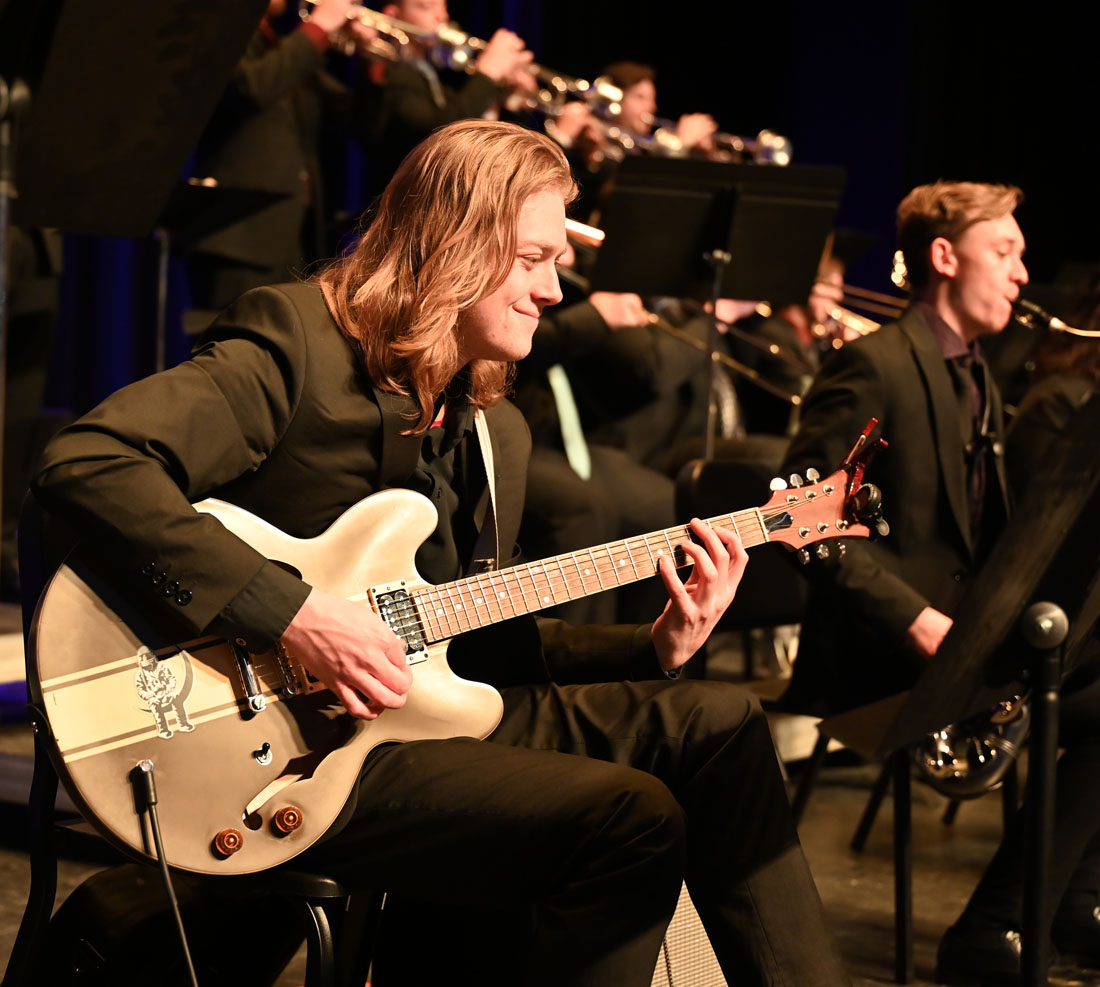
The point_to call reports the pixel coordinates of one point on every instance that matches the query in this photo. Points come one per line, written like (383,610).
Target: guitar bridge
(394,605)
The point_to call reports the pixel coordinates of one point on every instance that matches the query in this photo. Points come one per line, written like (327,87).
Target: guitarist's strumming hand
(695,606)
(350,648)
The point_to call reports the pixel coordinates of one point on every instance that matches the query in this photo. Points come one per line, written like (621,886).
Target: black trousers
(1074,876)
(579,818)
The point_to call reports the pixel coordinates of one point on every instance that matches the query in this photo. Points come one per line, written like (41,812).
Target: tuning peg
(778,483)
(841,549)
(812,475)
(822,550)
(803,556)
(795,480)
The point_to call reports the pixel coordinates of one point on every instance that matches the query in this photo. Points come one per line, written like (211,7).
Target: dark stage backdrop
(897,94)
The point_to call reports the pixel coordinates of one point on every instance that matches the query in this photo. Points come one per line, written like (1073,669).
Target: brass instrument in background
(451,48)
(843,324)
(969,758)
(766,147)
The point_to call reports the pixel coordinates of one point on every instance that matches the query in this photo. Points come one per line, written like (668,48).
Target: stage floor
(857,889)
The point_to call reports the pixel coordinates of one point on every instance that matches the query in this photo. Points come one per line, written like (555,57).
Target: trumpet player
(693,131)
(264,135)
(421,96)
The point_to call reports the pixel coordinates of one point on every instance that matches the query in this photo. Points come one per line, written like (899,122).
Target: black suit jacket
(264,135)
(274,412)
(853,645)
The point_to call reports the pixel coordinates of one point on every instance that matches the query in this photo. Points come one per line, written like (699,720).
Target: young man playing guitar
(605,783)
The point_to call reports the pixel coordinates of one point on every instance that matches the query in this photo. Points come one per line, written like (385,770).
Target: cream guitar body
(220,763)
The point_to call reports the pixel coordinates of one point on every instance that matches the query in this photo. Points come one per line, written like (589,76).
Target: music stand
(112,99)
(693,228)
(1025,622)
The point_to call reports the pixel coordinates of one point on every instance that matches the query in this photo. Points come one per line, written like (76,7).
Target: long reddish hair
(441,237)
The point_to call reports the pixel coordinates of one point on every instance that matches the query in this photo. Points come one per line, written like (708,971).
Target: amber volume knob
(228,842)
(288,819)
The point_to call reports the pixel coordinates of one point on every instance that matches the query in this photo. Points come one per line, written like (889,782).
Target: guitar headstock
(807,512)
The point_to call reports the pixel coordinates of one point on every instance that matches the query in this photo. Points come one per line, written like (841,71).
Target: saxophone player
(879,613)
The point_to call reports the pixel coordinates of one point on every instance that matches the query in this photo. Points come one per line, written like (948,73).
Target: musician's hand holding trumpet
(506,60)
(337,18)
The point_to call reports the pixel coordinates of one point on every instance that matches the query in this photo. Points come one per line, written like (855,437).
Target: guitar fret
(492,592)
(456,608)
(508,590)
(436,612)
(585,590)
(527,608)
(481,608)
(758,517)
(630,555)
(671,550)
(569,594)
(544,600)
(596,568)
(652,558)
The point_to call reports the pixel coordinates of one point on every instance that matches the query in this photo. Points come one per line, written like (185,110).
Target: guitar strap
(487,548)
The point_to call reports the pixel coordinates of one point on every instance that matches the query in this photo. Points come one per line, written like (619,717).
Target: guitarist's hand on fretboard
(349,648)
(695,606)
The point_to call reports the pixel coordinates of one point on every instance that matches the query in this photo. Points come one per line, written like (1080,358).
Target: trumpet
(767,147)
(449,47)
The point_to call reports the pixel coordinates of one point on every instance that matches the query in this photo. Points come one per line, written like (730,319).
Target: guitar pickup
(398,609)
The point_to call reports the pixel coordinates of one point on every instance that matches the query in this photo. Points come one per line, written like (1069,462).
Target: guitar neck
(476,601)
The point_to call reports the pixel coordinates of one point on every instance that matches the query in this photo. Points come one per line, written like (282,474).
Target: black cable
(145,794)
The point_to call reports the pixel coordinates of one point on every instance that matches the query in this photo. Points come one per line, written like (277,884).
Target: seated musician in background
(264,135)
(876,615)
(581,493)
(421,95)
(589,803)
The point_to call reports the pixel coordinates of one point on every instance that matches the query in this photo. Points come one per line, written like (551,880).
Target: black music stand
(705,230)
(111,99)
(1025,622)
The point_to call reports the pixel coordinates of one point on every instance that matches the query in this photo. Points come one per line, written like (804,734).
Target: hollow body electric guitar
(253,757)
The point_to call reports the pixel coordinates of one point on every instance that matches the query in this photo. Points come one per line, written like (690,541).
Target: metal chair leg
(903,868)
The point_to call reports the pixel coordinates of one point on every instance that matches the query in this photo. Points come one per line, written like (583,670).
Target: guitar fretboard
(476,601)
